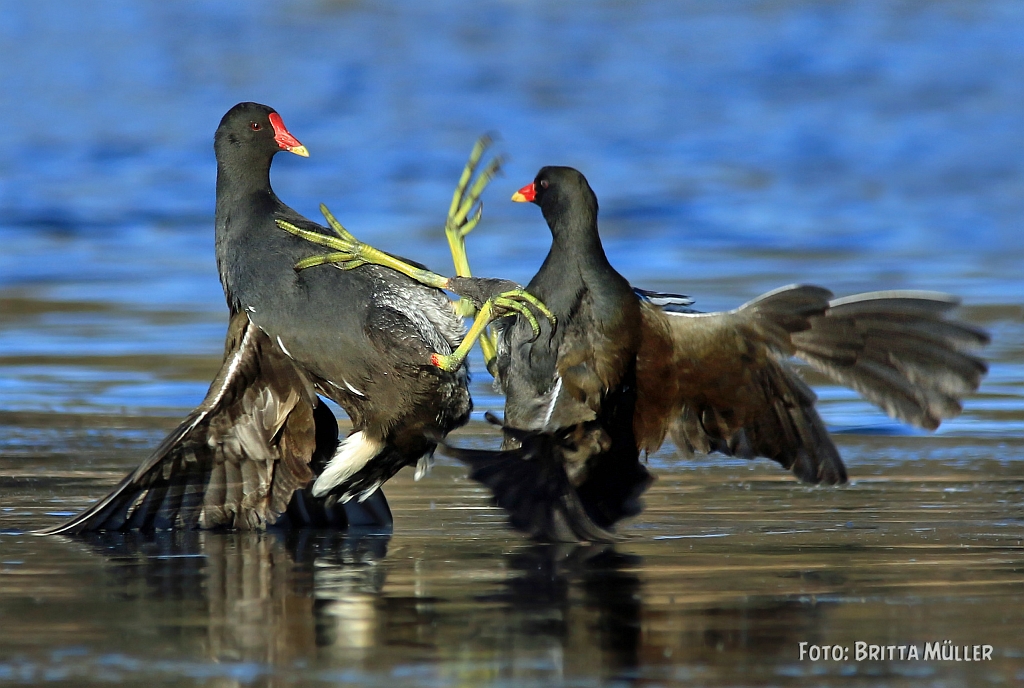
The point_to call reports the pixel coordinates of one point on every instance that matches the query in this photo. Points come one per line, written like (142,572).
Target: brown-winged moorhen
(622,368)
(368,339)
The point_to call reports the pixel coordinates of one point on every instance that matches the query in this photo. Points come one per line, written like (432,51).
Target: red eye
(255,126)
(543,183)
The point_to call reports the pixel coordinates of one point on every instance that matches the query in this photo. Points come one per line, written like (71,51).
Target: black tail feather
(530,483)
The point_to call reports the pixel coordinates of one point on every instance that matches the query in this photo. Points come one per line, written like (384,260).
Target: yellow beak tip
(299,150)
(518,197)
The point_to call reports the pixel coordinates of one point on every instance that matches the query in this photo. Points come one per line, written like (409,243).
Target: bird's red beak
(284,137)
(525,194)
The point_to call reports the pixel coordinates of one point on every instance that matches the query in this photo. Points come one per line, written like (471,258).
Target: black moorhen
(621,368)
(368,339)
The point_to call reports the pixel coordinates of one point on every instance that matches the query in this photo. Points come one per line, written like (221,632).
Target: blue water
(734,148)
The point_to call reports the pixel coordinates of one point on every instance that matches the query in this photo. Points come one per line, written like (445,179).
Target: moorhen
(368,339)
(621,368)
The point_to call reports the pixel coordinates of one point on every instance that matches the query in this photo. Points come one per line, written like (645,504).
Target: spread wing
(721,381)
(236,460)
(900,350)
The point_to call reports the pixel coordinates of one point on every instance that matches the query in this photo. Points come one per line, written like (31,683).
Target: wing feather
(235,461)
(900,351)
(721,381)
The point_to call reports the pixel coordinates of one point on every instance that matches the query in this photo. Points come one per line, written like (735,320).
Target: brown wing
(900,350)
(235,461)
(720,381)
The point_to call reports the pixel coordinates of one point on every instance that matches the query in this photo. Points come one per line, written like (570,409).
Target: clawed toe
(466,209)
(337,226)
(520,301)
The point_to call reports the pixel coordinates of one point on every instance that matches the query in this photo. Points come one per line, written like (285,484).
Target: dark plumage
(622,368)
(363,338)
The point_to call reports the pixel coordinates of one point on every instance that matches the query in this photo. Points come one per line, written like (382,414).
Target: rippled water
(735,147)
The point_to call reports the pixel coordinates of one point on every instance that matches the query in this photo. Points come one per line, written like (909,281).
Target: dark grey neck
(575,241)
(240,180)
(246,205)
(575,264)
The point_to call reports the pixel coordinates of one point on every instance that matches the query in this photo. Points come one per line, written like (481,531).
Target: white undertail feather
(551,404)
(354,452)
(423,466)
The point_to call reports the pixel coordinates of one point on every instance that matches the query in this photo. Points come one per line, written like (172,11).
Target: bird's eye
(255,126)
(543,183)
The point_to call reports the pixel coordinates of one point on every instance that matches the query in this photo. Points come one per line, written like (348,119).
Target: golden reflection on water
(730,568)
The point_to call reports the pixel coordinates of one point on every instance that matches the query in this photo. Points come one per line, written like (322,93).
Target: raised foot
(350,253)
(463,216)
(517,301)
(466,208)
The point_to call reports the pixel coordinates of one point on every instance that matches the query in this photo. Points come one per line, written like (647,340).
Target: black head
(251,129)
(562,194)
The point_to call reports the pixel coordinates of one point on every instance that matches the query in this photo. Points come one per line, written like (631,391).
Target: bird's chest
(257,269)
(562,376)
(599,347)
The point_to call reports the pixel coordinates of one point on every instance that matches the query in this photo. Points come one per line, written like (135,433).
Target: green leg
(351,253)
(465,210)
(453,360)
(463,216)
(516,300)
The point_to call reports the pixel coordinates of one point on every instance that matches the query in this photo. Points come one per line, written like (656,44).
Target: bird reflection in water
(584,602)
(274,598)
(329,601)
(278,598)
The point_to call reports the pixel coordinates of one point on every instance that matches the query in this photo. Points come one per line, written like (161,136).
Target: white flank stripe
(283,348)
(551,404)
(236,360)
(354,452)
(352,389)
